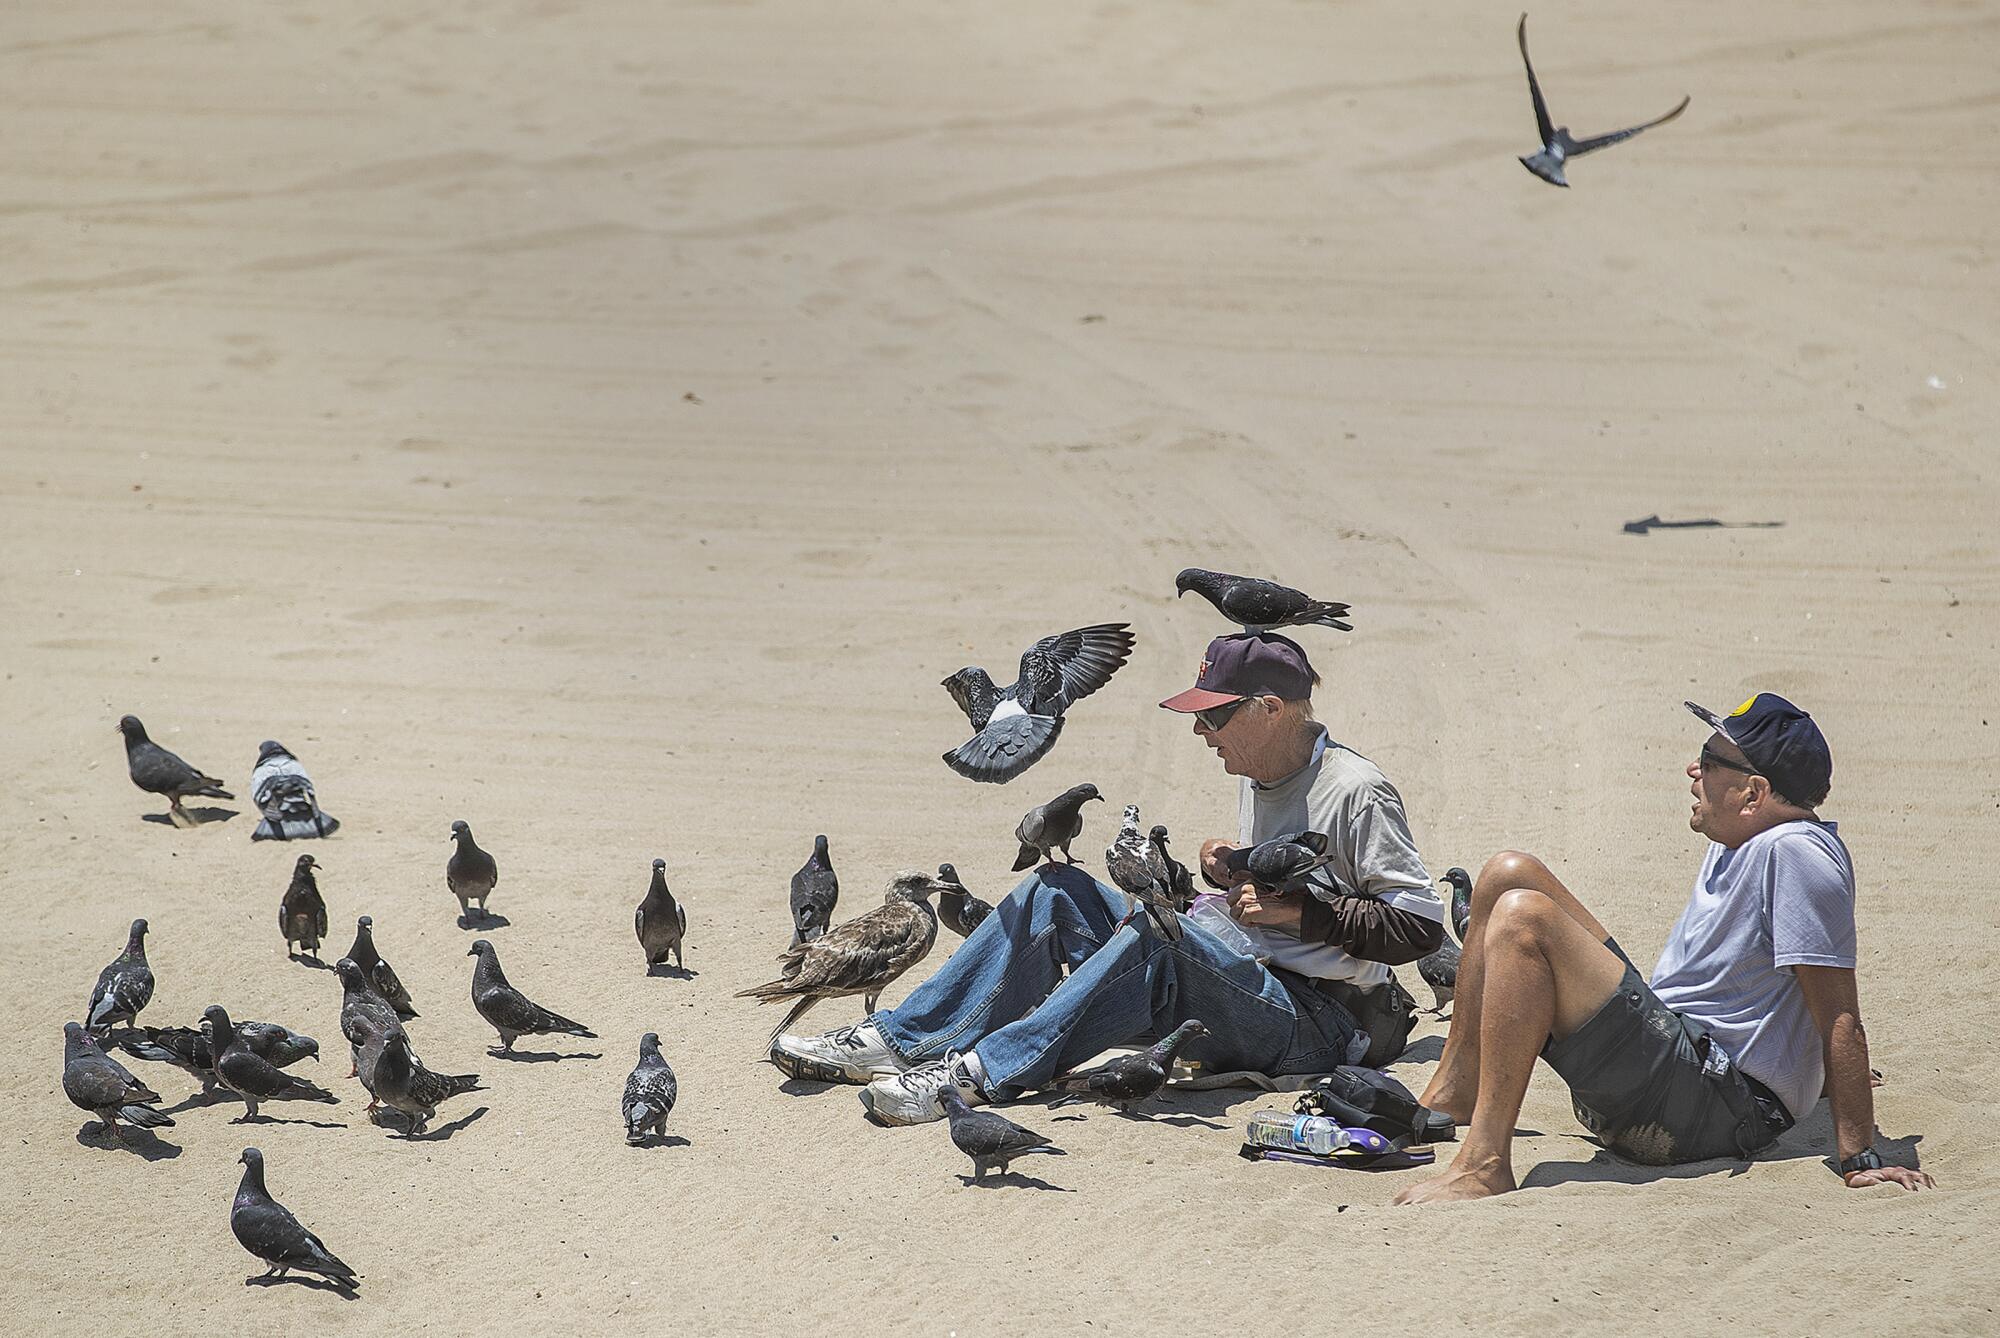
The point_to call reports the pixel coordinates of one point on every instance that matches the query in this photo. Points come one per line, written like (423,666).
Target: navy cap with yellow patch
(1781,741)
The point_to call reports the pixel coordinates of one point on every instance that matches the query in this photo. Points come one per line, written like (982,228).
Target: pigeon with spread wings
(1558,146)
(1016,726)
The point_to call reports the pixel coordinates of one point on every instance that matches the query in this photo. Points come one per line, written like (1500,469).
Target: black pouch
(1370,1099)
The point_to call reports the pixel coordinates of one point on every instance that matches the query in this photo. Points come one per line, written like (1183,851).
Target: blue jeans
(1004,996)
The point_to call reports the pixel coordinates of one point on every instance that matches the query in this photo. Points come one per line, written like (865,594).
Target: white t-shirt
(1783,898)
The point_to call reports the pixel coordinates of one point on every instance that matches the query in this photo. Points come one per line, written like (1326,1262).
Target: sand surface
(606,423)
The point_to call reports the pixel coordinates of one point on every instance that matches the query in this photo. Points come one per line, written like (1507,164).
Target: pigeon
(1129,1079)
(470,873)
(960,911)
(990,1140)
(125,987)
(302,913)
(1049,827)
(1139,869)
(1557,145)
(660,921)
(649,1093)
(1180,882)
(268,1230)
(284,797)
(1440,971)
(1283,863)
(1260,606)
(863,956)
(396,1078)
(96,1082)
(815,890)
(248,1074)
(507,1009)
(1014,727)
(1461,900)
(188,1048)
(381,976)
(158,771)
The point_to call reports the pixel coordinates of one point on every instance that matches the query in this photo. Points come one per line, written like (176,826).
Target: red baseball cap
(1247,664)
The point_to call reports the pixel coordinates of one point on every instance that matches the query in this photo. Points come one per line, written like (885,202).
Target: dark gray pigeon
(96,1082)
(660,922)
(375,969)
(396,1078)
(158,771)
(1049,827)
(470,873)
(815,892)
(1139,869)
(1129,1079)
(1260,606)
(364,1015)
(268,1230)
(1016,726)
(302,912)
(1557,145)
(283,793)
(1440,971)
(123,988)
(248,1074)
(1283,863)
(960,911)
(1180,882)
(507,1009)
(188,1048)
(990,1140)
(1461,900)
(649,1093)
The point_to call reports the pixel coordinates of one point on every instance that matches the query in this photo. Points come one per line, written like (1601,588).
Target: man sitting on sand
(1752,1008)
(1055,975)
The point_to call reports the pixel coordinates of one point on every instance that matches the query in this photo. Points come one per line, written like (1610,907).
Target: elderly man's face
(1244,741)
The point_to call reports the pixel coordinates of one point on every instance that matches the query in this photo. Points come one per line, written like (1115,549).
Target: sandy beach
(607,423)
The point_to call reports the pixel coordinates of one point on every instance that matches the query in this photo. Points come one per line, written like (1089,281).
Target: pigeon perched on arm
(1049,827)
(396,1078)
(375,969)
(96,1082)
(960,911)
(1139,869)
(507,1009)
(650,1092)
(1461,900)
(302,912)
(1014,727)
(268,1230)
(125,987)
(284,797)
(1124,1082)
(248,1074)
(1260,606)
(470,873)
(1180,882)
(660,922)
(990,1140)
(1557,145)
(815,891)
(160,772)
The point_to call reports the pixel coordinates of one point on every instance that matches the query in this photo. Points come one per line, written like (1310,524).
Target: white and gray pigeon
(992,1141)
(364,1015)
(1179,881)
(125,987)
(507,1009)
(1139,868)
(470,873)
(1260,606)
(160,772)
(243,1071)
(957,908)
(1558,146)
(96,1082)
(188,1048)
(287,807)
(375,969)
(268,1230)
(302,912)
(649,1093)
(660,922)
(1014,727)
(396,1078)
(1049,827)
(815,892)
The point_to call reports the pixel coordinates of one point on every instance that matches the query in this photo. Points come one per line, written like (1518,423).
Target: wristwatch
(1868,1159)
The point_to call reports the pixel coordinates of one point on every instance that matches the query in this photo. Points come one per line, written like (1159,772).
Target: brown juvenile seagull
(302,913)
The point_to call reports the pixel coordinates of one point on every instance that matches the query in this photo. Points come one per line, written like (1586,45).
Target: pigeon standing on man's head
(124,987)
(957,908)
(815,892)
(1260,606)
(1124,1082)
(248,1074)
(1139,869)
(660,922)
(650,1093)
(1558,147)
(268,1230)
(96,1082)
(1179,881)
(302,911)
(160,772)
(992,1141)
(1014,727)
(284,797)
(1461,900)
(375,969)
(507,1010)
(1049,827)
(470,873)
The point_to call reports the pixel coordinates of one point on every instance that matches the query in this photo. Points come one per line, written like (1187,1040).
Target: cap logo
(1743,708)
(1202,672)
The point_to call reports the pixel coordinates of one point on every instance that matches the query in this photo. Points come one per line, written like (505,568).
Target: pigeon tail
(295,829)
(145,1117)
(1005,748)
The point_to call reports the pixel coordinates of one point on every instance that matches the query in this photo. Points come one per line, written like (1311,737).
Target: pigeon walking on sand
(1558,147)
(1180,882)
(189,1050)
(283,793)
(96,1082)
(1049,827)
(160,772)
(364,1014)
(660,922)
(375,969)
(1139,869)
(650,1093)
(396,1078)
(992,1141)
(470,873)
(125,987)
(268,1230)
(957,908)
(302,912)
(1260,606)
(1439,970)
(1124,1082)
(815,892)
(1461,900)
(1014,727)
(256,1079)
(508,1010)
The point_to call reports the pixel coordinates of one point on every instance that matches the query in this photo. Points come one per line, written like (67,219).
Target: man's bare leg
(1456,1082)
(1545,975)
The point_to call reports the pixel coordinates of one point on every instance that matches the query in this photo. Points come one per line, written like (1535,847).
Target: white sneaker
(853,1054)
(911,1097)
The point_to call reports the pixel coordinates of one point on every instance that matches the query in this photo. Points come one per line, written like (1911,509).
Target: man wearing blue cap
(1752,1009)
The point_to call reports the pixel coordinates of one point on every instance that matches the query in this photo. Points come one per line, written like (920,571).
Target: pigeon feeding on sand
(268,1230)
(960,911)
(189,1050)
(302,912)
(96,1082)
(649,1093)
(396,1078)
(990,1140)
(158,771)
(1139,869)
(863,956)
(1124,1082)
(1180,882)
(124,987)
(283,793)
(1260,606)
(375,969)
(1557,145)
(508,1010)
(470,873)
(1461,900)
(1049,827)
(243,1071)
(660,922)
(364,1014)
(1014,727)
(1283,863)
(815,892)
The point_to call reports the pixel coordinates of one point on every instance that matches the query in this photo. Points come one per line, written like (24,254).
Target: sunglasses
(1711,758)
(1215,717)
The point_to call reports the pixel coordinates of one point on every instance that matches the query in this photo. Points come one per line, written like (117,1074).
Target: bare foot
(1461,1183)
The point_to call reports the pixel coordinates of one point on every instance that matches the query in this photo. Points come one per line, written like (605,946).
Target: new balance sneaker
(911,1097)
(855,1054)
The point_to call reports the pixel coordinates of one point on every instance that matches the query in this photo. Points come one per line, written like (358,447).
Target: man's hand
(1269,910)
(1213,852)
(1890,1175)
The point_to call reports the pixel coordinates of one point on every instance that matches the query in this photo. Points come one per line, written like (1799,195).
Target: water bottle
(1297,1133)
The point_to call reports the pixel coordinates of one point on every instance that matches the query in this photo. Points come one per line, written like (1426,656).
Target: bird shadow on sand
(343,1290)
(441,1132)
(261,1118)
(489,920)
(538,1056)
(1012,1180)
(313,962)
(202,816)
(807,1086)
(142,1142)
(670,973)
(192,1101)
(660,1141)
